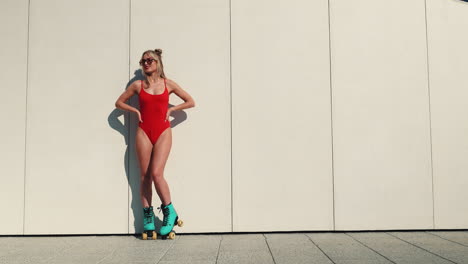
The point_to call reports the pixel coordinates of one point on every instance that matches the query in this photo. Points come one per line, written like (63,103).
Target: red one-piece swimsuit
(153,109)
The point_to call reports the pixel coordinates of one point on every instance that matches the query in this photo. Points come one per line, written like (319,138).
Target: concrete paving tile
(434,247)
(394,249)
(236,237)
(340,247)
(417,260)
(139,251)
(99,241)
(251,248)
(28,242)
(16,259)
(360,261)
(131,262)
(83,253)
(203,248)
(455,236)
(187,262)
(295,248)
(443,248)
(75,259)
(128,262)
(6,247)
(33,249)
(78,251)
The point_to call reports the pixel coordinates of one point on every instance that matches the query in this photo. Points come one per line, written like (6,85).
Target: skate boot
(148,223)
(170,220)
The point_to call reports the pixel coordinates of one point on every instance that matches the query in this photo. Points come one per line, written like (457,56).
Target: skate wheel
(154,235)
(171,235)
(144,236)
(180,223)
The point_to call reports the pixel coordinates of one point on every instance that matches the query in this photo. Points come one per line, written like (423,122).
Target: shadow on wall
(132,170)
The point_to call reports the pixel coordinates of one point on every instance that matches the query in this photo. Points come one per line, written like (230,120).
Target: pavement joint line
(448,239)
(219,248)
(422,248)
(61,252)
(268,245)
(172,245)
(108,255)
(370,248)
(319,248)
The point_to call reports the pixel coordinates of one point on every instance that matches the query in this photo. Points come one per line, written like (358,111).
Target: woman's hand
(188,100)
(169,111)
(139,116)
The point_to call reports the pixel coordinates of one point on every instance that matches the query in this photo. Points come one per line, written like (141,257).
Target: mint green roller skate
(148,223)
(170,220)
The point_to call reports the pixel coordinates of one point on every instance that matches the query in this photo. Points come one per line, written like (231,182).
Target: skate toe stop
(180,223)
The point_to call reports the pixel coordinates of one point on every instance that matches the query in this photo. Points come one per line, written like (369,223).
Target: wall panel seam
(26,118)
(127,161)
(331,114)
(230,106)
(430,114)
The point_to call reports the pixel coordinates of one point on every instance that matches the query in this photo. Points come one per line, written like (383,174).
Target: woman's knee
(157,175)
(145,177)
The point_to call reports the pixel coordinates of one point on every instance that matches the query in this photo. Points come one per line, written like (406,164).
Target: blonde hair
(156,54)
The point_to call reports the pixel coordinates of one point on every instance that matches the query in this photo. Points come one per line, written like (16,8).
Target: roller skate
(148,223)
(170,220)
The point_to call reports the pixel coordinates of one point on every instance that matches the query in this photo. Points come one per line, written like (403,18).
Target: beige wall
(310,115)
(78,65)
(281,116)
(448,67)
(381,132)
(13,73)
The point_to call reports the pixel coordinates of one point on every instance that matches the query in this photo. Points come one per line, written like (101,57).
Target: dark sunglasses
(148,61)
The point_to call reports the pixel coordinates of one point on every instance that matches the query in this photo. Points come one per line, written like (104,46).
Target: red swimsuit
(153,109)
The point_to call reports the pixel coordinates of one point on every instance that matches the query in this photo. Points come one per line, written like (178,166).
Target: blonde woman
(154,137)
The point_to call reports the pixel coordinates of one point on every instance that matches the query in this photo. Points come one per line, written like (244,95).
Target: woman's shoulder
(136,86)
(171,84)
(169,81)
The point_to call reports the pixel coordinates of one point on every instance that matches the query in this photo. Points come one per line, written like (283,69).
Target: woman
(154,136)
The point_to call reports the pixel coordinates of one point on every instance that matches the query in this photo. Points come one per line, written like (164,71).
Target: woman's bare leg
(143,149)
(161,152)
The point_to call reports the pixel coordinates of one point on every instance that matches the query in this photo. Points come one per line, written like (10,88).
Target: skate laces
(165,213)
(147,215)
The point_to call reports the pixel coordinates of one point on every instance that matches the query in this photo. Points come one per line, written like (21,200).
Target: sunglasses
(147,61)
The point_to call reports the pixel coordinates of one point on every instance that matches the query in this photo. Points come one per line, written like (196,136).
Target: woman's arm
(188,100)
(121,101)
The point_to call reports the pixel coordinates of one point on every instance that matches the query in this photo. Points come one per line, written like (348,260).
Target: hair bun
(158,51)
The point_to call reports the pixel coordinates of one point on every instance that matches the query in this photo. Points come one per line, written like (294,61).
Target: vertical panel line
(128,117)
(230,104)
(430,114)
(26,120)
(331,114)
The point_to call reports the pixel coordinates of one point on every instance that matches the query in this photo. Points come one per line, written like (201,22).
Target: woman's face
(149,64)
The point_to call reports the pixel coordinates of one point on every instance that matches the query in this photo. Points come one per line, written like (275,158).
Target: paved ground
(324,247)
